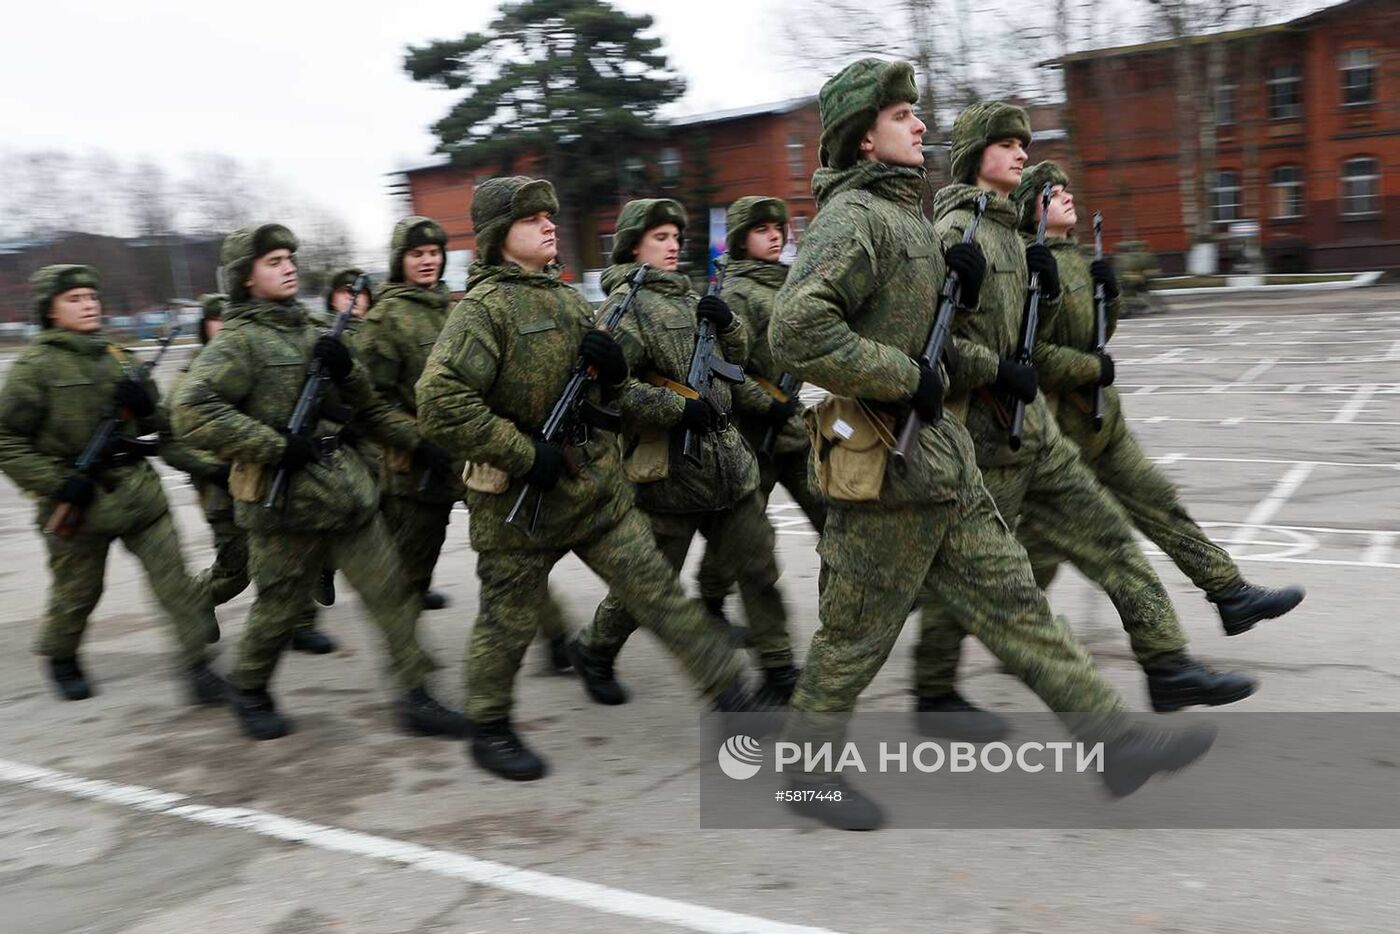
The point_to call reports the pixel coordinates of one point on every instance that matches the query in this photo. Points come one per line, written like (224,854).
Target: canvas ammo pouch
(852,446)
(248,483)
(483,478)
(647,458)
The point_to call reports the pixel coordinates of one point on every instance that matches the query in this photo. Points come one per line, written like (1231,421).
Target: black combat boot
(951,716)
(258,715)
(1138,754)
(207,689)
(418,714)
(557,654)
(68,677)
(778,685)
(1244,604)
(497,749)
(597,674)
(434,600)
(1178,680)
(835,804)
(325,587)
(312,641)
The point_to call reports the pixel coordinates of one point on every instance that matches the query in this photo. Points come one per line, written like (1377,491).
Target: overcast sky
(313,94)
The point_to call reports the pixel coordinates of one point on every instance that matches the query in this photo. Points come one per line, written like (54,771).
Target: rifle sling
(680,389)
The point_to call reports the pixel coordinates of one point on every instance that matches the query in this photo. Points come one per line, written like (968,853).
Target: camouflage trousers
(418,529)
(791,470)
(639,578)
(285,566)
(741,540)
(878,563)
(228,577)
(1153,505)
(78,566)
(1062,506)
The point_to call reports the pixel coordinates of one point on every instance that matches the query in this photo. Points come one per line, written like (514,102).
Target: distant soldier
(67,382)
(236,402)
(420,483)
(1044,485)
(719,496)
(769,418)
(1137,266)
(1070,374)
(502,362)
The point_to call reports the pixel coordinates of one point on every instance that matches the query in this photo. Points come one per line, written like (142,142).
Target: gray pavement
(1278,418)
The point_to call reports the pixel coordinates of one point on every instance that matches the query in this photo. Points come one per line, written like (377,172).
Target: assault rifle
(574,413)
(938,338)
(107,444)
(705,365)
(1100,319)
(1029,323)
(308,406)
(789,386)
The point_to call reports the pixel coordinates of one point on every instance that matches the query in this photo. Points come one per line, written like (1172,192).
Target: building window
(670,165)
(1358,78)
(1286,192)
(799,227)
(1285,92)
(1225,105)
(1225,197)
(1361,187)
(796,158)
(607,245)
(633,175)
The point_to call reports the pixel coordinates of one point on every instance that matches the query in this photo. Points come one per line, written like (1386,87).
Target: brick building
(1299,125)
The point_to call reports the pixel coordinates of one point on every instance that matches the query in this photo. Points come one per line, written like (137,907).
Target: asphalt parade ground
(132,812)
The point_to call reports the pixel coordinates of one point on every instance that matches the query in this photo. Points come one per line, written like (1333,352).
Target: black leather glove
(967,261)
(1039,259)
(1102,272)
(713,308)
(698,416)
(299,452)
(929,393)
(334,357)
(77,489)
(1018,380)
(601,352)
(1105,370)
(133,397)
(220,477)
(952,357)
(428,456)
(780,412)
(549,464)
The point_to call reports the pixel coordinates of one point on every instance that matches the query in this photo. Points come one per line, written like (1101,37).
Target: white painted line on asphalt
(1269,506)
(1206,345)
(1355,405)
(1256,371)
(1379,550)
(1338,360)
(1261,389)
(1145,390)
(1241,420)
(1215,319)
(1394,353)
(1232,422)
(1228,329)
(446,863)
(1363,465)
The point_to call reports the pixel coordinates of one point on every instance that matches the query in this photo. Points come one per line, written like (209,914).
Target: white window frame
(1296,185)
(1220,93)
(1295,79)
(1216,205)
(1374,179)
(1347,66)
(670,165)
(796,156)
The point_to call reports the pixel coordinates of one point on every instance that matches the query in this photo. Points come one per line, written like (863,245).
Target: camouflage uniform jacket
(236,401)
(984,336)
(658,336)
(501,363)
(57,393)
(1064,353)
(749,287)
(398,335)
(859,304)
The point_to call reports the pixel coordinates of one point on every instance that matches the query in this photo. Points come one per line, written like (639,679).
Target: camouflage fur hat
(211,307)
(245,245)
(1027,193)
(409,233)
(747,213)
(980,125)
(500,202)
(343,279)
(637,218)
(51,281)
(850,102)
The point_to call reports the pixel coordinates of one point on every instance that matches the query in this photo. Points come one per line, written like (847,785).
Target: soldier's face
(660,247)
(422,265)
(897,138)
(212,326)
(76,310)
(1002,162)
(531,242)
(765,242)
(274,276)
(1062,214)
